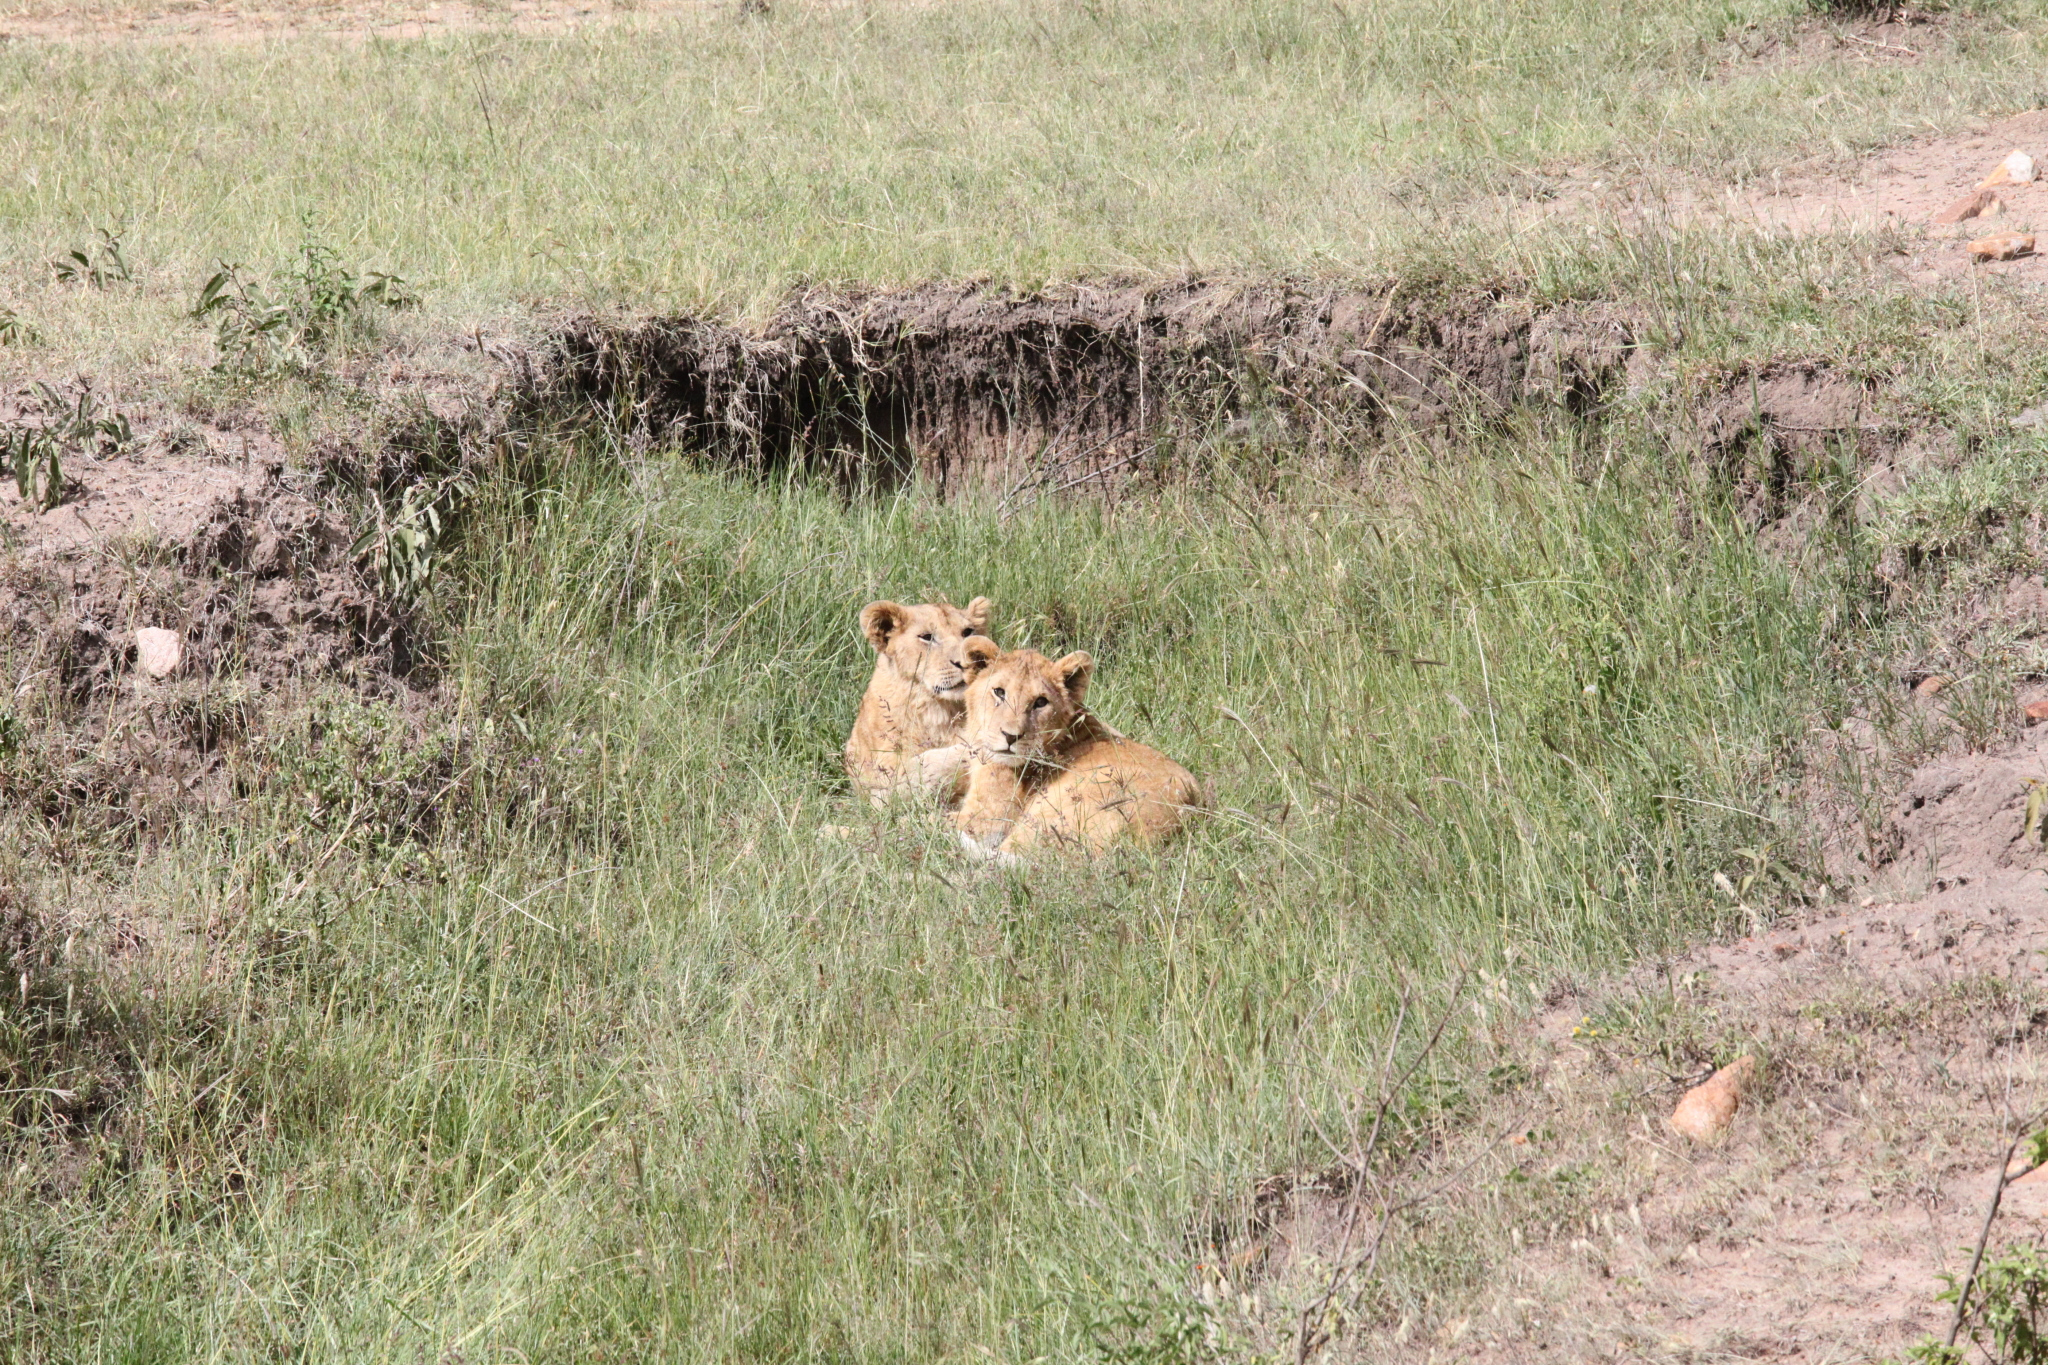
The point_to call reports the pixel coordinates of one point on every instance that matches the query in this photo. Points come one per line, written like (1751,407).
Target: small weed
(15,329)
(401,547)
(34,453)
(38,471)
(2005,1319)
(98,265)
(302,313)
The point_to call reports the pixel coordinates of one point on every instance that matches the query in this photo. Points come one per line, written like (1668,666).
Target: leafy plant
(292,321)
(34,453)
(2012,1296)
(15,329)
(82,422)
(33,456)
(1153,1330)
(98,265)
(2005,1317)
(401,548)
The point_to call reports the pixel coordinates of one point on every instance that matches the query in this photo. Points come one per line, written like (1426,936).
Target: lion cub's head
(928,644)
(1020,707)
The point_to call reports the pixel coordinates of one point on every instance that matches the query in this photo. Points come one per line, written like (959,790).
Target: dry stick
(1080,479)
(1363,1163)
(1038,478)
(2006,1176)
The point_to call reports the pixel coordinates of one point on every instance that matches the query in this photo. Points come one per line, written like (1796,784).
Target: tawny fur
(1046,773)
(905,739)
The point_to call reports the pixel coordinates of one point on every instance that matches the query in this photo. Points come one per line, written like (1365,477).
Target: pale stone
(158,652)
(1706,1110)
(2016,169)
(2003,246)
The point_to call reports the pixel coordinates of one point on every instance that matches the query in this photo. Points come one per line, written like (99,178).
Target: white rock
(2016,169)
(158,652)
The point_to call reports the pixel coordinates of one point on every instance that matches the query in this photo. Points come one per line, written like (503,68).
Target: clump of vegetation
(99,264)
(2005,1316)
(16,330)
(301,313)
(34,451)
(401,546)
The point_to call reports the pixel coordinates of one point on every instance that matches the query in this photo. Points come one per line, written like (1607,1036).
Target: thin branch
(2006,1175)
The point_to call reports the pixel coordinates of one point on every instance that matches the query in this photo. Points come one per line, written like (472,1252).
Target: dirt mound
(1963,818)
(195,531)
(972,383)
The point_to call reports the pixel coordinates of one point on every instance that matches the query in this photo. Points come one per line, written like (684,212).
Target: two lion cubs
(1003,739)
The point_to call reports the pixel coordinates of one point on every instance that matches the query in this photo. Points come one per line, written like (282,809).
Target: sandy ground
(261,22)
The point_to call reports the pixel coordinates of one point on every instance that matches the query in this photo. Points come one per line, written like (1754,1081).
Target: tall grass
(633,1058)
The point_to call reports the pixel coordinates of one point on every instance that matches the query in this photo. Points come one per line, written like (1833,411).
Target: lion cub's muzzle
(1006,753)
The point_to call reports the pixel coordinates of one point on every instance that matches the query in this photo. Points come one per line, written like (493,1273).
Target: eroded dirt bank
(972,384)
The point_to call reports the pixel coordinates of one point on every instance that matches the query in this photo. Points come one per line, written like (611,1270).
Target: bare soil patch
(1886,35)
(260,22)
(197,530)
(1903,190)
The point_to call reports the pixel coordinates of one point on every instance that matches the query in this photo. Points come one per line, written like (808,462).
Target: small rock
(2032,418)
(2003,246)
(158,652)
(1706,1110)
(2037,711)
(1976,204)
(1930,685)
(2016,169)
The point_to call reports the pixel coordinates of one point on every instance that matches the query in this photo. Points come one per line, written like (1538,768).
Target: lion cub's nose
(1010,738)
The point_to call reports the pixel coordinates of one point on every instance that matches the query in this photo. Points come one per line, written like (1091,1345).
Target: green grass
(624,1057)
(710,158)
(547,1022)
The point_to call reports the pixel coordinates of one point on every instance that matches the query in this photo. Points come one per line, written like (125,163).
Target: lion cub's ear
(978,612)
(880,622)
(1073,673)
(981,652)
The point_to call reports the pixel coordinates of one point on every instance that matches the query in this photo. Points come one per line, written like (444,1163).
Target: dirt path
(228,22)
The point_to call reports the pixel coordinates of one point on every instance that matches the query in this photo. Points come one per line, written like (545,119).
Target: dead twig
(1360,1161)
(2006,1175)
(1884,47)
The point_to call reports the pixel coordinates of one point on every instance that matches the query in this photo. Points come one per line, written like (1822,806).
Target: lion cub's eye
(1002,695)
(967,634)
(1040,702)
(926,637)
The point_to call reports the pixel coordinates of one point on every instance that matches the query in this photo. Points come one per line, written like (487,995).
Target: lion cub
(1048,773)
(905,740)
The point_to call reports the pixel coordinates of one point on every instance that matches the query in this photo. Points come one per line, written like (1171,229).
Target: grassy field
(582,1016)
(636,1062)
(710,157)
